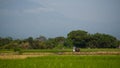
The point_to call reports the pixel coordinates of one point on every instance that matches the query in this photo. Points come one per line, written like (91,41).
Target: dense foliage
(77,38)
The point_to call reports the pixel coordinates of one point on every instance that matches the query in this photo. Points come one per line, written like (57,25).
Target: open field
(61,61)
(63,50)
(10,54)
(87,58)
(38,54)
(70,50)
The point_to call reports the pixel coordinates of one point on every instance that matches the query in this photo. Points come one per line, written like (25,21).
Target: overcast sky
(51,18)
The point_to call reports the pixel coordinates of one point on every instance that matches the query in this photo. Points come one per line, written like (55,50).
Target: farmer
(74,49)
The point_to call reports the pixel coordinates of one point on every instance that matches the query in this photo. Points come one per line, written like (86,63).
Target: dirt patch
(91,53)
(18,56)
(23,56)
(38,54)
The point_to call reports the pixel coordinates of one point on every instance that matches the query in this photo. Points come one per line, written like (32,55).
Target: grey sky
(51,18)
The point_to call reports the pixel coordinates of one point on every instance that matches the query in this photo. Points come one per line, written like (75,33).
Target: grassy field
(50,58)
(70,50)
(63,50)
(106,61)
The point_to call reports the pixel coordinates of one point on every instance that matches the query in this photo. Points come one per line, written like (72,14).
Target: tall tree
(41,38)
(78,38)
(102,41)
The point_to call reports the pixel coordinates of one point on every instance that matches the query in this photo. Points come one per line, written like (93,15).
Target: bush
(18,51)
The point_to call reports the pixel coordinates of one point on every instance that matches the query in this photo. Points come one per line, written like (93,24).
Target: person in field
(75,49)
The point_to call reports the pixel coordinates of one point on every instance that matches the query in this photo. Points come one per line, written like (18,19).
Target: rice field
(63,50)
(70,50)
(62,61)
(54,58)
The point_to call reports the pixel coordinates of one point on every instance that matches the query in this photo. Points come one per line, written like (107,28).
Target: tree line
(77,38)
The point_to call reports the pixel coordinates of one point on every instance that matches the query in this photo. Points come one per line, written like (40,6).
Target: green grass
(62,50)
(48,50)
(70,50)
(108,61)
(101,49)
(6,50)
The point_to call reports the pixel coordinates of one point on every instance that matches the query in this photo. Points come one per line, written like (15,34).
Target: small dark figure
(77,50)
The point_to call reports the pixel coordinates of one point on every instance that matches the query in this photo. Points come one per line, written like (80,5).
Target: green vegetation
(77,38)
(70,50)
(62,50)
(83,39)
(63,62)
(96,51)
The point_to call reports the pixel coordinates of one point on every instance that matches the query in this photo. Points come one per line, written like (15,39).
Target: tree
(60,40)
(78,38)
(41,38)
(5,41)
(30,40)
(25,45)
(50,43)
(42,45)
(11,45)
(68,43)
(102,41)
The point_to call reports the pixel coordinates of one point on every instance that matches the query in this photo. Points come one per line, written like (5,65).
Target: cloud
(19,12)
(8,12)
(38,10)
(22,7)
